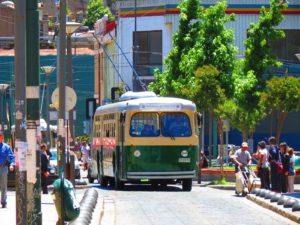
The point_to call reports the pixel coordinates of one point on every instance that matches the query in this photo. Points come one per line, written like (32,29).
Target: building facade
(145,30)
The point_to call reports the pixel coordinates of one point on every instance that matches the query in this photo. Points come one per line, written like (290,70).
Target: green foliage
(282,94)
(258,55)
(249,74)
(214,45)
(96,10)
(205,88)
(183,40)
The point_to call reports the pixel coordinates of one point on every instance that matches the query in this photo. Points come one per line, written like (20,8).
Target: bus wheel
(102,181)
(119,185)
(187,184)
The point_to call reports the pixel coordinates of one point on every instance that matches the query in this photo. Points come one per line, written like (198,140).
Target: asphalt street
(143,205)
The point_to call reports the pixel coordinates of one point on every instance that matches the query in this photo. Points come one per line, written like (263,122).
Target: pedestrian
(275,164)
(285,160)
(242,158)
(44,168)
(291,176)
(77,148)
(7,161)
(85,150)
(263,165)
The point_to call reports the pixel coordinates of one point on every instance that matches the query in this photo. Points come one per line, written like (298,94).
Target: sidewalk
(49,214)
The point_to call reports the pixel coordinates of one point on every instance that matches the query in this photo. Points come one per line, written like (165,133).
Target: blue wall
(83,82)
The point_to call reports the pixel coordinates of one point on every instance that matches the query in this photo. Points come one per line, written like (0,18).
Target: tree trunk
(210,137)
(271,124)
(281,118)
(245,135)
(221,136)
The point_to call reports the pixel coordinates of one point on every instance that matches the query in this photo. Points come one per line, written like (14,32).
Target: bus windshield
(146,124)
(175,125)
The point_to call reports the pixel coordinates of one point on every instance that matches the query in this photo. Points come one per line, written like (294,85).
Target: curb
(222,187)
(275,208)
(87,207)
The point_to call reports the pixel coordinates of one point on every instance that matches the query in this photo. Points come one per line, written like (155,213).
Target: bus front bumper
(161,175)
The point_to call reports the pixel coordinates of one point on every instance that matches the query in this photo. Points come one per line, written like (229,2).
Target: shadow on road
(142,188)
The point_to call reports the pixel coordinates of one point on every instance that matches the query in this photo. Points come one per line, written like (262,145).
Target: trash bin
(71,205)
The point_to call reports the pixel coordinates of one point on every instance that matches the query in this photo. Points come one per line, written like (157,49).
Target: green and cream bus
(145,138)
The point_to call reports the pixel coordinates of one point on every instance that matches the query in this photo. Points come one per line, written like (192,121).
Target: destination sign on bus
(160,106)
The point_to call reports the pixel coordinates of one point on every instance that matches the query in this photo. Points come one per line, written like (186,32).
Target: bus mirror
(199,119)
(122,116)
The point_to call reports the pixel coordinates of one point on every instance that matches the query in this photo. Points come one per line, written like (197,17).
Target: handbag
(279,167)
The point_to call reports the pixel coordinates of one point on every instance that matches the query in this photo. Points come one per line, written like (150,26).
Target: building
(153,23)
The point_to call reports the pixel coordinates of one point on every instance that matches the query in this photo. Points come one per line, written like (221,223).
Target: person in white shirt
(263,165)
(85,150)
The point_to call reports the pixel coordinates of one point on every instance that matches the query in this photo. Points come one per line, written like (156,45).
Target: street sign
(71,98)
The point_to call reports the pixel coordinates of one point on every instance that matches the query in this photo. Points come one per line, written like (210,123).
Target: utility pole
(62,103)
(20,109)
(34,213)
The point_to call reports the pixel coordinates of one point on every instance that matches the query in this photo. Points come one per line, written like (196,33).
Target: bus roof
(148,104)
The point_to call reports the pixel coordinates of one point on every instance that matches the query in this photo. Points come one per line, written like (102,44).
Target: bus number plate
(184,160)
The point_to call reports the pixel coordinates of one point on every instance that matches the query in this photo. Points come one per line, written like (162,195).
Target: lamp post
(48,70)
(71,27)
(3,88)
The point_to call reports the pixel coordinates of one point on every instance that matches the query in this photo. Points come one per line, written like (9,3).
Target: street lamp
(48,70)
(3,88)
(71,27)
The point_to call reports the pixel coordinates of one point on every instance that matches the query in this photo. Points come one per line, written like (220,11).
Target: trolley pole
(34,214)
(20,109)
(61,109)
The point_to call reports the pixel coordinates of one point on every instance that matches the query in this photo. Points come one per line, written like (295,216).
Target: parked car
(53,170)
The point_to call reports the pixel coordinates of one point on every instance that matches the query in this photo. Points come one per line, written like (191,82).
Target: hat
(245,144)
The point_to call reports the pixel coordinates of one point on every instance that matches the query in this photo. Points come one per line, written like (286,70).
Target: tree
(283,95)
(96,10)
(250,73)
(183,40)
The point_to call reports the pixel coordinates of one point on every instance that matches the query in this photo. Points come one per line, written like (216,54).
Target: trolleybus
(145,138)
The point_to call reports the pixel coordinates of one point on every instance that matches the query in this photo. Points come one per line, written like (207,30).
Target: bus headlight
(137,153)
(184,153)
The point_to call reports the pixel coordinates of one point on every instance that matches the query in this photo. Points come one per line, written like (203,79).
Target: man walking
(7,159)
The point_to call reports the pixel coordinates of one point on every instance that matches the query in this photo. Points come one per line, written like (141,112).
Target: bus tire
(119,185)
(103,181)
(187,184)
(89,176)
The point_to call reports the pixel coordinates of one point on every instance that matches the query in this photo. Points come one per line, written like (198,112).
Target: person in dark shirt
(44,168)
(274,160)
(285,160)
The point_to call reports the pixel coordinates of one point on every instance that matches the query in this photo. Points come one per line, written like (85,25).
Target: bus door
(121,148)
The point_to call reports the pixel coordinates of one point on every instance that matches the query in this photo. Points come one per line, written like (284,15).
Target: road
(143,205)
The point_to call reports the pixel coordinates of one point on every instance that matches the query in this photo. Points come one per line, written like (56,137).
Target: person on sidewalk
(7,160)
(85,150)
(275,164)
(44,168)
(285,160)
(242,158)
(292,172)
(263,165)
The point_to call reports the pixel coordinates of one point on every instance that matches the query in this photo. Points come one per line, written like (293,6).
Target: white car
(53,164)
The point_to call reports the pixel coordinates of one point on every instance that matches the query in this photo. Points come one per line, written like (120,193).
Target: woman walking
(263,165)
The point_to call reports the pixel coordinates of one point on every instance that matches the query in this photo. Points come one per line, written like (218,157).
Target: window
(147,51)
(286,48)
(175,125)
(144,125)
